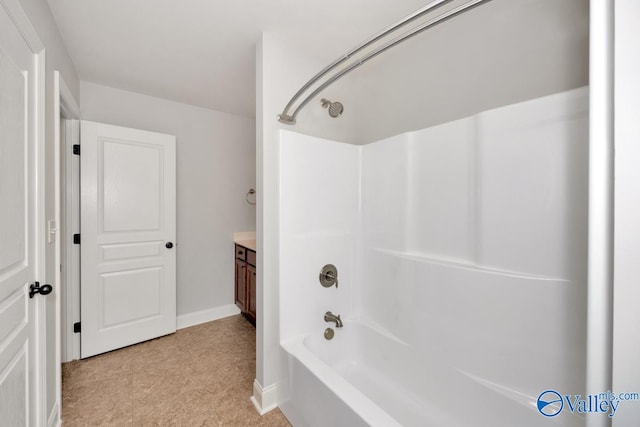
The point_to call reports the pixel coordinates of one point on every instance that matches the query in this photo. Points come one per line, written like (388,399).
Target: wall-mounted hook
(251,191)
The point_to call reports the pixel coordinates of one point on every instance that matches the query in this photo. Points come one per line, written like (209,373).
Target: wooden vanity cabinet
(245,282)
(241,283)
(251,290)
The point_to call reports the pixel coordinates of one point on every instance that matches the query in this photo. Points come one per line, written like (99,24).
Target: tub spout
(330,317)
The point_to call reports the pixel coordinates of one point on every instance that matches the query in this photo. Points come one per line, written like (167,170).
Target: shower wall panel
(532,186)
(482,264)
(319,224)
(385,187)
(442,190)
(466,241)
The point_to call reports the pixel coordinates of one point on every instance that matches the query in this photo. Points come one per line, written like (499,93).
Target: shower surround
(462,257)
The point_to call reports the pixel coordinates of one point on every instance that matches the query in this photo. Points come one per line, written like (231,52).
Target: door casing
(66,113)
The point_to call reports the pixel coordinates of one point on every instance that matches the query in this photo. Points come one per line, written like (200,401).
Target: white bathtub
(366,377)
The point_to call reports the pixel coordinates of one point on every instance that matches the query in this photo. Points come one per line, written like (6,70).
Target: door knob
(35,288)
(168,245)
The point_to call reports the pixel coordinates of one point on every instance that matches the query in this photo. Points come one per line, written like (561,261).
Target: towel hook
(250,192)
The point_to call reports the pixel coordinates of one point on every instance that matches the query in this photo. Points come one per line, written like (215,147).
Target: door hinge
(76,328)
(76,149)
(76,239)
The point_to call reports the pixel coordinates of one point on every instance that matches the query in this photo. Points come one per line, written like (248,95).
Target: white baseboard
(203,316)
(54,416)
(264,399)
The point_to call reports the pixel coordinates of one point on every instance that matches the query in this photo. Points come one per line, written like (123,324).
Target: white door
(20,401)
(128,230)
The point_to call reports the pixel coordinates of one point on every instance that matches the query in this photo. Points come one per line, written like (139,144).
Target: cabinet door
(251,290)
(241,284)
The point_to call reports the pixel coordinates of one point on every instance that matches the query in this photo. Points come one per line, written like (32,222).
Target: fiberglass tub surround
(461,252)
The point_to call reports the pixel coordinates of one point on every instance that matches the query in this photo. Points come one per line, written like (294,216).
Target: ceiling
(202,52)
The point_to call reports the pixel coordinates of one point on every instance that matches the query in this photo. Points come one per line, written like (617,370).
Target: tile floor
(199,376)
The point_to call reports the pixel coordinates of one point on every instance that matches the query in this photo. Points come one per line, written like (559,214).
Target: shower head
(335,108)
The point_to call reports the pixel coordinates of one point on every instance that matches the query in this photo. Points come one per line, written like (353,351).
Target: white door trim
(19,17)
(70,253)
(71,310)
(64,105)
(67,105)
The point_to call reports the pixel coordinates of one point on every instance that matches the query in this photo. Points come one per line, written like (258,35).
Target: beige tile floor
(199,376)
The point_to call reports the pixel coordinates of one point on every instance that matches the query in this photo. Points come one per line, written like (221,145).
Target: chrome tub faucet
(330,317)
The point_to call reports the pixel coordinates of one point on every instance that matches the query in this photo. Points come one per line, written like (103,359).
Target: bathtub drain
(328,333)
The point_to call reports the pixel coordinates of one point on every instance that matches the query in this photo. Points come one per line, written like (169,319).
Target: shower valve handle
(329,276)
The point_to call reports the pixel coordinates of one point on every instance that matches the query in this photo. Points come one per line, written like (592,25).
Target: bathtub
(366,377)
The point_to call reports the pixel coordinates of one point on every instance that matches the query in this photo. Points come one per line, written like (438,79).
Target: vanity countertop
(246,239)
(249,244)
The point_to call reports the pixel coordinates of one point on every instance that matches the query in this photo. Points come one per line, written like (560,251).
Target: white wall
(500,53)
(626,318)
(215,169)
(280,71)
(56,58)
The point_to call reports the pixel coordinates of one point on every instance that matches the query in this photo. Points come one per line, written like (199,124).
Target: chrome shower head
(335,108)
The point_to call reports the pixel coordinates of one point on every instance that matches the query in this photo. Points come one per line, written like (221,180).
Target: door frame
(23,24)
(65,109)
(67,117)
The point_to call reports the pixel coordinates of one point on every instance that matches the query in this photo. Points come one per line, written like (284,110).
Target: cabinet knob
(168,245)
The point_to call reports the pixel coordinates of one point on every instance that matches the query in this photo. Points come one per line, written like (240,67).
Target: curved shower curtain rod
(290,119)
